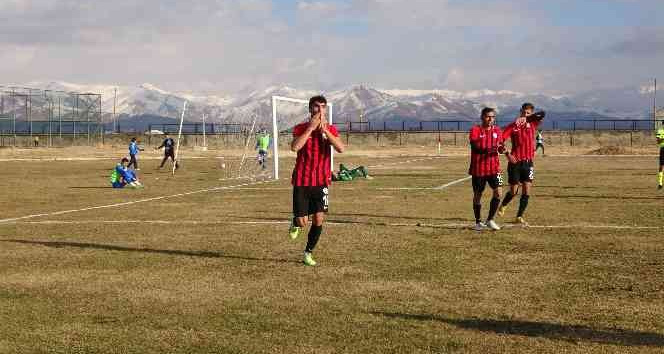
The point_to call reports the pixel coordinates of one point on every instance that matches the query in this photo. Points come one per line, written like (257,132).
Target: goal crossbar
(275,130)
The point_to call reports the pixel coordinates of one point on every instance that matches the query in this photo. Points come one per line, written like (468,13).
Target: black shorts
(310,200)
(520,172)
(169,153)
(494,181)
(661,156)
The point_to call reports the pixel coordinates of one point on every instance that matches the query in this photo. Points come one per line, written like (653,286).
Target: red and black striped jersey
(523,140)
(312,167)
(484,144)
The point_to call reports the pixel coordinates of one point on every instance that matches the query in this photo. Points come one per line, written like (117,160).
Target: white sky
(224,46)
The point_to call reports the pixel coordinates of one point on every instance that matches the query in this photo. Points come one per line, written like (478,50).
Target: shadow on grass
(203,254)
(332,219)
(332,215)
(553,331)
(91,187)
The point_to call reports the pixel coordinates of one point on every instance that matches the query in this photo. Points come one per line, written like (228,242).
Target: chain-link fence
(47,117)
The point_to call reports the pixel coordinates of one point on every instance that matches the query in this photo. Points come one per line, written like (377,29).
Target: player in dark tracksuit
(169,150)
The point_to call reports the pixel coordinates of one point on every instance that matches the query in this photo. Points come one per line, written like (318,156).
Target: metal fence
(200,128)
(27,112)
(465,125)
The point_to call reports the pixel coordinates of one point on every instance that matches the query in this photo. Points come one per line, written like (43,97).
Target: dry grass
(205,283)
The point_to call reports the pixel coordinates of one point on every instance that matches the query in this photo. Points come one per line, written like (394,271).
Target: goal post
(177,146)
(275,128)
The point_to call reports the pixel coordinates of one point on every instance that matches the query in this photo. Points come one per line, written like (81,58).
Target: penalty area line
(460,180)
(106,206)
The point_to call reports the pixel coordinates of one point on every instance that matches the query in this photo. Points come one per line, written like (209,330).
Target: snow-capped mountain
(357,103)
(143,99)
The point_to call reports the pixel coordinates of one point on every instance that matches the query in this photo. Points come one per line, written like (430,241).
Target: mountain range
(378,106)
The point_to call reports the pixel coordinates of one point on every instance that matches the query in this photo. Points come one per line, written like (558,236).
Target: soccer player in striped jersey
(312,173)
(660,142)
(520,168)
(486,143)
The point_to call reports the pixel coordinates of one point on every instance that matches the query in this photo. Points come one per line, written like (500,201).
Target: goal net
(286,113)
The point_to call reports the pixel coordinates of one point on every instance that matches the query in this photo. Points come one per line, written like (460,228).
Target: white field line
(427,188)
(32,216)
(272,222)
(386,165)
(131,202)
(51,159)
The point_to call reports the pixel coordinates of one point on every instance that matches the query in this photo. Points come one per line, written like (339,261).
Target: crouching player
(486,143)
(312,173)
(122,176)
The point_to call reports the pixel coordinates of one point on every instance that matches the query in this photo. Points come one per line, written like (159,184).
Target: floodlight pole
(177,146)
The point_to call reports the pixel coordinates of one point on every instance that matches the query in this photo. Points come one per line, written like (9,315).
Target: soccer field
(88,269)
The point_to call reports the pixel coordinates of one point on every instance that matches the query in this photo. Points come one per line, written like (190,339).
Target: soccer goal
(286,113)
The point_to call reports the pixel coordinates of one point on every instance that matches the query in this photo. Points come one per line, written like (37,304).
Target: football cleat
(521,221)
(492,225)
(308,259)
(294,231)
(501,210)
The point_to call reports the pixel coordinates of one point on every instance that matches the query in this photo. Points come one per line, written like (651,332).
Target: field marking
(404,162)
(426,188)
(52,159)
(69,211)
(349,222)
(453,183)
(62,212)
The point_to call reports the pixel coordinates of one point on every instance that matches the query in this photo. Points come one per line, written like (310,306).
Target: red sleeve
(536,124)
(474,134)
(508,131)
(500,135)
(299,129)
(333,130)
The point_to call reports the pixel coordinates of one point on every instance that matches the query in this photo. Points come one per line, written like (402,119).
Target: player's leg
(513,180)
(660,175)
(300,211)
(479,183)
(494,183)
(527,176)
(163,161)
(319,199)
(172,155)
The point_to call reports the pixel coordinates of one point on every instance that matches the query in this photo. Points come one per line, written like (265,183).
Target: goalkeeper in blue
(123,176)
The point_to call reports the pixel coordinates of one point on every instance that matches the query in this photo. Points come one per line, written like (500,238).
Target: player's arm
(301,139)
(160,146)
(333,136)
(474,140)
(536,117)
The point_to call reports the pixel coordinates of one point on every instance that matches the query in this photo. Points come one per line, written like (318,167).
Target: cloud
(227,45)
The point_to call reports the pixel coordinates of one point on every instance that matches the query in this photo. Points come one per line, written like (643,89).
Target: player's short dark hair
(133,139)
(527,105)
(487,110)
(316,99)
(124,159)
